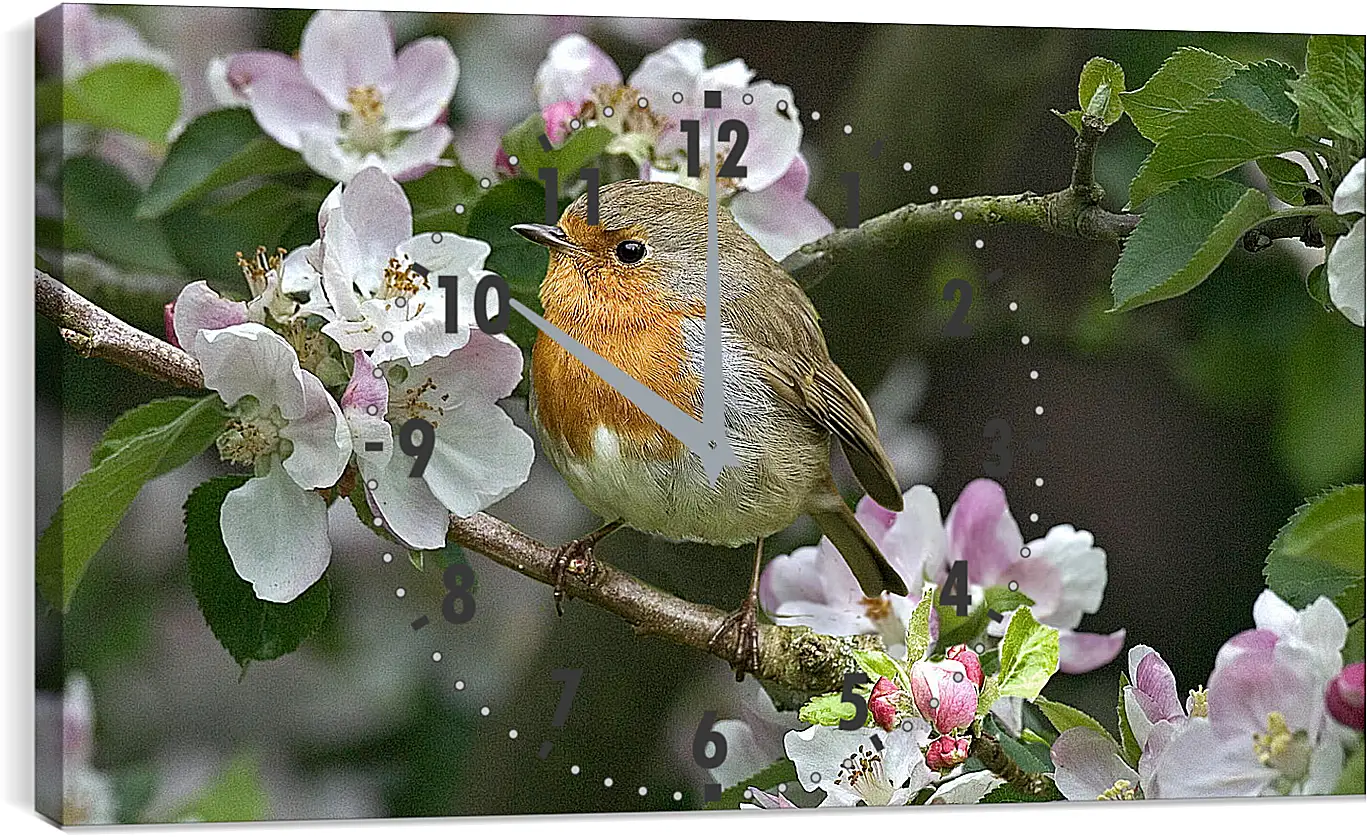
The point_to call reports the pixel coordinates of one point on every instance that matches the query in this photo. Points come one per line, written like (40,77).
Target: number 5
(861,704)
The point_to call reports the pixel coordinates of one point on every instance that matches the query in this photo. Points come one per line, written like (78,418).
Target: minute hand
(714,388)
(715,455)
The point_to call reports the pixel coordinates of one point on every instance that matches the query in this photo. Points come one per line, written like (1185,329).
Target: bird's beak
(544,235)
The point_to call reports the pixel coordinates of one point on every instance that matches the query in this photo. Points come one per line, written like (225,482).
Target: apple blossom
(349,101)
(972,666)
(944,694)
(1088,767)
(1345,265)
(883,703)
(288,430)
(578,80)
(946,752)
(1344,696)
(843,764)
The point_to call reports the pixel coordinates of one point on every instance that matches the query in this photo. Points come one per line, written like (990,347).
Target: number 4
(955,592)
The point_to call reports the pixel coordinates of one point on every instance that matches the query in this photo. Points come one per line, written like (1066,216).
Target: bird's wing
(780,325)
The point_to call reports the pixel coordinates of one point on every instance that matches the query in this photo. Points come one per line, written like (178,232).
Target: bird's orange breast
(629,320)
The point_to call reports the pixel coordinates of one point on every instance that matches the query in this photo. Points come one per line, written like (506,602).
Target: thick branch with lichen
(796,659)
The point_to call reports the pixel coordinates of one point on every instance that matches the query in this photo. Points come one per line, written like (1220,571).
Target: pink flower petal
(1080,651)
(573,65)
(780,217)
(982,532)
(425,81)
(1155,688)
(342,50)
(200,307)
(285,103)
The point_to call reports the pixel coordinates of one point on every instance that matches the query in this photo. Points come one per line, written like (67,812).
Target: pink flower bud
(881,703)
(946,752)
(944,694)
(972,667)
(557,116)
(169,317)
(1344,696)
(503,164)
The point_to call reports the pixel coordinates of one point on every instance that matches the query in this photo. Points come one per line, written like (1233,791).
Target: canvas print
(451,414)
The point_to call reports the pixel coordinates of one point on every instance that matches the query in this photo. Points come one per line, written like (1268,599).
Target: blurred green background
(1182,435)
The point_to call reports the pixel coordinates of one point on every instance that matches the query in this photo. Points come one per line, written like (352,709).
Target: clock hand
(715,455)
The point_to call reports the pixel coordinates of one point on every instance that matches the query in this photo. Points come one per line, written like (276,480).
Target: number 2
(958,325)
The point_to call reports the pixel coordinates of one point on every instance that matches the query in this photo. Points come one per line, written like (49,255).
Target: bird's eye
(630,252)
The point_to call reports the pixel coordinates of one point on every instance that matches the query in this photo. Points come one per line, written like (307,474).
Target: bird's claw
(736,640)
(574,557)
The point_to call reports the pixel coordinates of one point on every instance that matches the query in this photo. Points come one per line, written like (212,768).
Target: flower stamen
(1122,790)
(863,772)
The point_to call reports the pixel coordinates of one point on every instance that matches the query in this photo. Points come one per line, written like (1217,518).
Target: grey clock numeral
(496,325)
(421,448)
(961,291)
(733,131)
(550,178)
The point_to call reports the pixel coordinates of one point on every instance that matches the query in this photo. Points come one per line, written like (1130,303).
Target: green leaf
(1029,653)
(783,771)
(826,710)
(250,629)
(1210,139)
(1073,118)
(1033,757)
(578,149)
(918,627)
(1099,87)
(91,509)
(1330,93)
(139,420)
(1353,780)
(130,96)
(1002,599)
(1317,286)
(877,665)
(1182,237)
(216,149)
(1263,87)
(519,261)
(237,795)
(1129,750)
(436,196)
(1186,77)
(1286,178)
(99,202)
(1063,717)
(1356,644)
(1319,552)
(988,695)
(1007,793)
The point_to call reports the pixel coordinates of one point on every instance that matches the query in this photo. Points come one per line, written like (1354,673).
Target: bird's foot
(574,557)
(737,639)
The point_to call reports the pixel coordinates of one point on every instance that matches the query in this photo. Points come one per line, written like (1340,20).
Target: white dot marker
(1039,410)
(460,685)
(1039,481)
(512,734)
(1025,340)
(379,522)
(782,788)
(436,656)
(958,216)
(608,111)
(1034,517)
(678,795)
(906,166)
(607,782)
(641,791)
(1013,586)
(816,115)
(849,129)
(485,183)
(574,769)
(574,124)
(399,593)
(978,244)
(512,160)
(387,557)
(372,484)
(1013,306)
(934,190)
(460,209)
(1034,374)
(484,711)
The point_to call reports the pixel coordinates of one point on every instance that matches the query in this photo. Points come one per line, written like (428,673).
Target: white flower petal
(1347,267)
(251,360)
(418,153)
(966,788)
(1349,197)
(342,50)
(426,71)
(277,535)
(572,67)
(322,150)
(1082,573)
(479,457)
(780,217)
(200,307)
(321,438)
(285,103)
(408,507)
(1086,764)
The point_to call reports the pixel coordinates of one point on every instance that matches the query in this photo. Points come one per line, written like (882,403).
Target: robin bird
(632,288)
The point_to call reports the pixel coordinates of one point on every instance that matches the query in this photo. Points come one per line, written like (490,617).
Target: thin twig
(796,659)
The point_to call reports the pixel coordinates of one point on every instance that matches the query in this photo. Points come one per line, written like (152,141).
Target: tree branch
(796,660)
